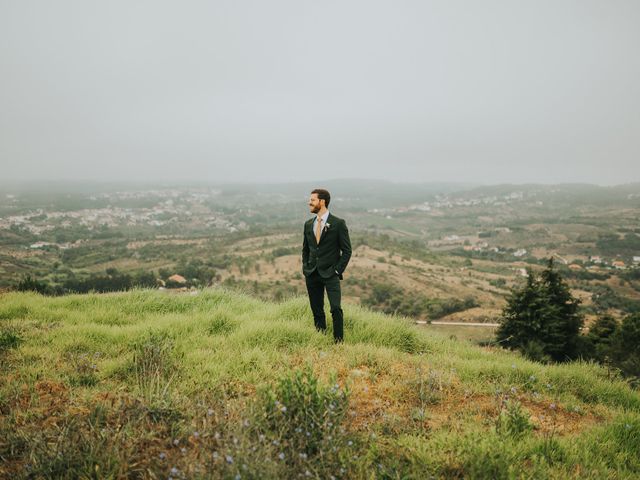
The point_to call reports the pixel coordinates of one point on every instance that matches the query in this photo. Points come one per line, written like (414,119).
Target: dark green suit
(323,264)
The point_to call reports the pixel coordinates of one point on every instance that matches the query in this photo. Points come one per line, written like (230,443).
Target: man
(326,250)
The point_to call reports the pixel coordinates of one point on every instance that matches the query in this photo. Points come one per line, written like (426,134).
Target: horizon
(24,182)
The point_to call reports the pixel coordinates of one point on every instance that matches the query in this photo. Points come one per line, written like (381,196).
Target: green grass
(143,382)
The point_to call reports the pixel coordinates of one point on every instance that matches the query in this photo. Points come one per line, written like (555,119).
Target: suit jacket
(331,254)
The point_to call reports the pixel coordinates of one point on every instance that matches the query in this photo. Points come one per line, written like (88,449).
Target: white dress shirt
(324,221)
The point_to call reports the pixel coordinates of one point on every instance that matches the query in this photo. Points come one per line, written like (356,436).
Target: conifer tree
(600,336)
(625,347)
(541,319)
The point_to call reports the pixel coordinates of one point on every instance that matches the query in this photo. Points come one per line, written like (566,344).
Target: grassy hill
(147,384)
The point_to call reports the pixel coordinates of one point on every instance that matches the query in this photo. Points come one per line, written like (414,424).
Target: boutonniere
(326,226)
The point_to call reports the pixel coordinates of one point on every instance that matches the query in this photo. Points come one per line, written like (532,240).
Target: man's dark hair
(323,195)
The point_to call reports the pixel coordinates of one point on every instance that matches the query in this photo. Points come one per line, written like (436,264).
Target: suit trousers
(316,286)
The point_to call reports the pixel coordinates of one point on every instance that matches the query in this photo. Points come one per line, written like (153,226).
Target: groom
(326,250)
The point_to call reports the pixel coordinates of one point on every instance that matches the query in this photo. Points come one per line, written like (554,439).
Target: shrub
(513,420)
(304,419)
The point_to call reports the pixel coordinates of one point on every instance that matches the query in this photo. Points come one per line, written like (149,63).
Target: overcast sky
(476,91)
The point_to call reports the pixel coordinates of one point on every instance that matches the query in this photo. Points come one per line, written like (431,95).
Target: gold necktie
(318,230)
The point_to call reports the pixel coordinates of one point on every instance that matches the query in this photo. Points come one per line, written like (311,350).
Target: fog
(279,91)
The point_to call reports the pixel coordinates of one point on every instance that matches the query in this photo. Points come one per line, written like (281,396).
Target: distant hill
(218,384)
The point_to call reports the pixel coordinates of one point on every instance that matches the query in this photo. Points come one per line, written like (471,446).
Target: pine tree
(600,336)
(625,347)
(541,319)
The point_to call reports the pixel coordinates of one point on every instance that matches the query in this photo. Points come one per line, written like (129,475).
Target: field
(217,384)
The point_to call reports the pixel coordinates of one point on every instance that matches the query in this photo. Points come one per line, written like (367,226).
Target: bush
(513,420)
(305,413)
(30,284)
(303,419)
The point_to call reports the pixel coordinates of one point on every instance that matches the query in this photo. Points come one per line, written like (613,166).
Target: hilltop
(219,384)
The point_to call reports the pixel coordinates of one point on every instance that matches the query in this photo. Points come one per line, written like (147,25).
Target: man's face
(315,204)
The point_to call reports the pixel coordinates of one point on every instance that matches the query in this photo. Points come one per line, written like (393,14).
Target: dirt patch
(485,409)
(47,400)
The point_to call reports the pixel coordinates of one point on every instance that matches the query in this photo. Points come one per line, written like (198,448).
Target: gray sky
(493,91)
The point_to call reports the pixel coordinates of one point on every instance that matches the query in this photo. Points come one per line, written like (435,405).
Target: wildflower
(176,442)
(298,430)
(174,471)
(215,455)
(532,378)
(162,456)
(281,456)
(308,434)
(552,406)
(244,466)
(209,412)
(196,435)
(627,426)
(276,442)
(303,456)
(229,459)
(513,365)
(349,443)
(183,450)
(261,437)
(246,423)
(513,390)
(238,476)
(307,473)
(283,409)
(216,436)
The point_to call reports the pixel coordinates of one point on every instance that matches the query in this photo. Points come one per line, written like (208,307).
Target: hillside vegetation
(218,384)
